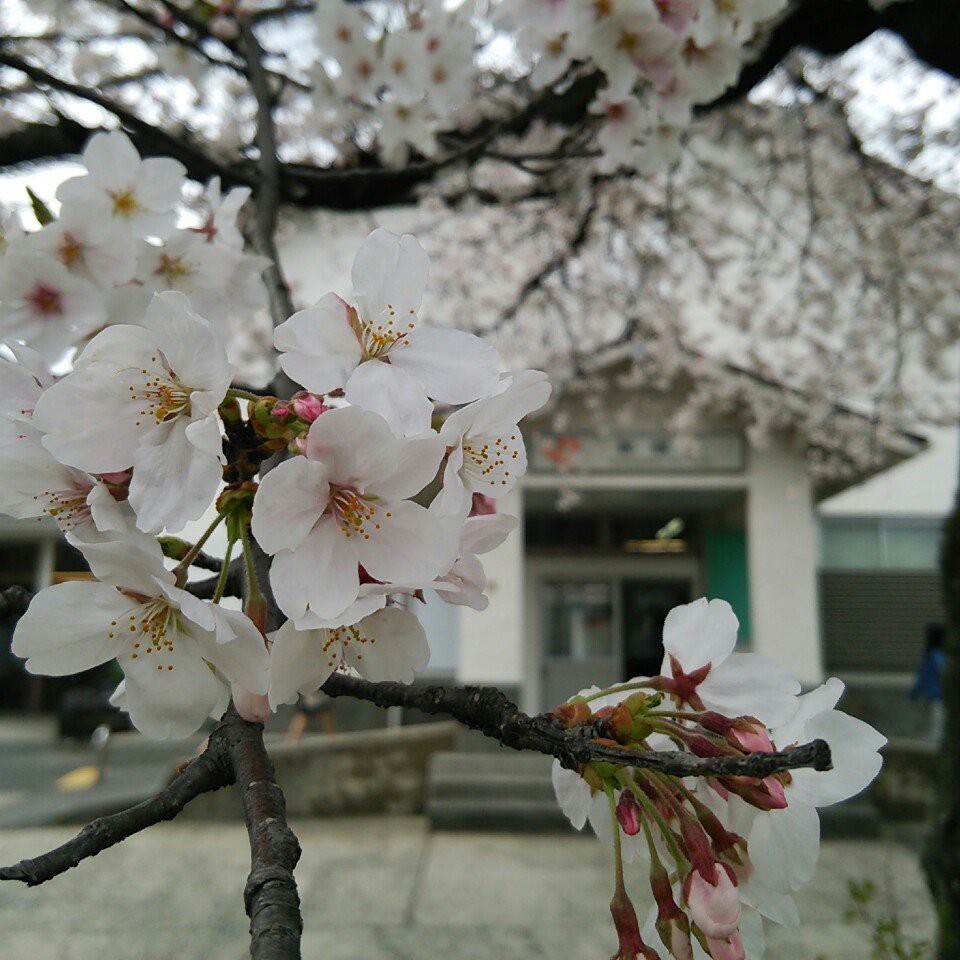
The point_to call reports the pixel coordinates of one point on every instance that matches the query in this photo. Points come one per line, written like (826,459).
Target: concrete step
(482,785)
(505,813)
(501,762)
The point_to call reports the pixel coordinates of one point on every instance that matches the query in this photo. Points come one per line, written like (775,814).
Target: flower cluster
(659,59)
(721,853)
(114,243)
(371,505)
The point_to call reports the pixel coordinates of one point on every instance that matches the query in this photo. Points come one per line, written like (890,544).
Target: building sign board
(630,452)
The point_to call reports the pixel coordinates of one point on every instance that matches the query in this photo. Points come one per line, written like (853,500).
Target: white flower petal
(173,482)
(700,632)
(573,794)
(747,684)
(299,664)
(67,628)
(321,573)
(450,365)
(389,272)
(388,645)
(356,446)
(318,347)
(784,846)
(289,502)
(391,392)
(409,546)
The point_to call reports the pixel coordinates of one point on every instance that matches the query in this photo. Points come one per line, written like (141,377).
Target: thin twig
(489,711)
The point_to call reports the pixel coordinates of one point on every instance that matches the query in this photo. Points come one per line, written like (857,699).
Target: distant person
(928,684)
(315,706)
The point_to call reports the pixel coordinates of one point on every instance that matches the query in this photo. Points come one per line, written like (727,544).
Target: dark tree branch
(202,775)
(152,139)
(234,754)
(268,187)
(270,896)
(489,711)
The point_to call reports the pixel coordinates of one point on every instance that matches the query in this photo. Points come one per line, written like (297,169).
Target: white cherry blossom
(34,485)
(344,504)
(46,305)
(178,653)
(376,349)
(466,576)
(486,452)
(146,397)
(121,191)
(698,641)
(784,843)
(387,645)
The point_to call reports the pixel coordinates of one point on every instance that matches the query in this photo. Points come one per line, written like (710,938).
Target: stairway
(505,790)
(500,790)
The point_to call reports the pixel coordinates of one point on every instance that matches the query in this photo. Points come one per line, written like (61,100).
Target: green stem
(180,570)
(253,586)
(617,851)
(238,394)
(620,688)
(670,839)
(224,573)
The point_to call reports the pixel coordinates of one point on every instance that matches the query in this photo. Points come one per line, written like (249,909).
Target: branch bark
(235,753)
(489,711)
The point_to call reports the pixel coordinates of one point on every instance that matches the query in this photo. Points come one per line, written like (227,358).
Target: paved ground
(387,889)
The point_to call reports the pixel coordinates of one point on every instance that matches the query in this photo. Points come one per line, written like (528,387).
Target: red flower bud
(628,813)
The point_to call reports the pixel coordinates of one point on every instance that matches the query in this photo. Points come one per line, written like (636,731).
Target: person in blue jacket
(927,683)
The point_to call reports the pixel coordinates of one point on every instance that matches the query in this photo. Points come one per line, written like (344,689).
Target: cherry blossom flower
(466,576)
(702,669)
(343,504)
(46,305)
(178,653)
(23,377)
(785,843)
(101,254)
(377,350)
(122,191)
(485,449)
(405,125)
(387,645)
(220,215)
(146,397)
(624,121)
(34,485)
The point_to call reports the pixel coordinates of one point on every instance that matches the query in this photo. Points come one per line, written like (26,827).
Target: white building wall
(782,548)
(492,642)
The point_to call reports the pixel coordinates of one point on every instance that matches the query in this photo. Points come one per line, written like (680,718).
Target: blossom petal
(356,445)
(386,389)
(318,347)
(415,466)
(573,794)
(389,272)
(388,645)
(242,657)
(409,547)
(300,662)
(450,365)
(171,693)
(321,573)
(289,502)
(173,482)
(747,684)
(784,846)
(700,632)
(67,628)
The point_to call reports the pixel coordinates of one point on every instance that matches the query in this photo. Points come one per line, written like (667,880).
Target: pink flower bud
(713,902)
(308,407)
(628,813)
(729,949)
(254,707)
(280,410)
(752,737)
(631,945)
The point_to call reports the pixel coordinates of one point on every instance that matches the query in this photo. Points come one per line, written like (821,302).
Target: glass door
(645,604)
(581,637)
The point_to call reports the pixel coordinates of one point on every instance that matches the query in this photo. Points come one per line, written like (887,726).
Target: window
(880,543)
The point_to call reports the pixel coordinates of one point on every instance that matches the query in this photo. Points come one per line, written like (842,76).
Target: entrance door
(580,633)
(644,607)
(603,630)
